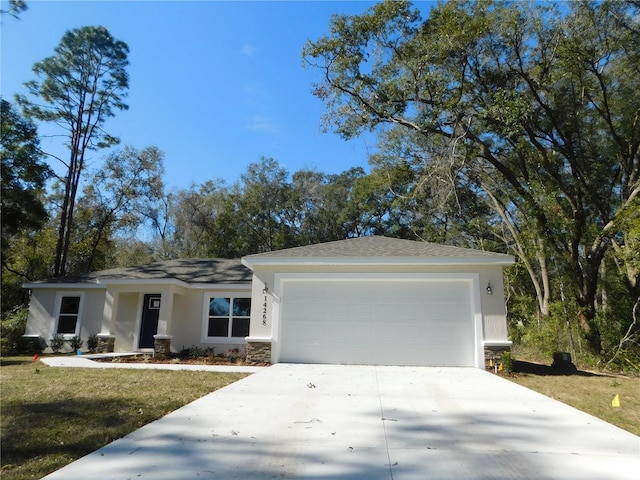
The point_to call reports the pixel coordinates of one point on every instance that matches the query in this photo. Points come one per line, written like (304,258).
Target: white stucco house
(367,300)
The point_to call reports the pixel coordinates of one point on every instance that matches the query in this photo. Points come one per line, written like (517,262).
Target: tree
(23,174)
(201,215)
(82,85)
(132,251)
(23,181)
(29,258)
(319,208)
(340,220)
(263,210)
(428,200)
(117,201)
(304,205)
(537,111)
(261,198)
(16,7)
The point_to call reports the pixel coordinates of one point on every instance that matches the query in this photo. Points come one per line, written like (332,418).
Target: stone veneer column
(258,353)
(493,352)
(106,343)
(162,345)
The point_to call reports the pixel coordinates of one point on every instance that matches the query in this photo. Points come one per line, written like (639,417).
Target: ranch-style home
(367,300)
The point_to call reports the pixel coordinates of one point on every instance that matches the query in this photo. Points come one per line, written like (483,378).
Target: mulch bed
(172,359)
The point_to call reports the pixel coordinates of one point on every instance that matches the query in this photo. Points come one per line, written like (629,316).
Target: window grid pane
(219,307)
(241,307)
(67,324)
(70,305)
(218,327)
(229,312)
(240,327)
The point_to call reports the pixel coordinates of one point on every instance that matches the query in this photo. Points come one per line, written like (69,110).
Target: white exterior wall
(126,322)
(190,319)
(187,320)
(261,316)
(44,305)
(40,320)
(494,309)
(91,315)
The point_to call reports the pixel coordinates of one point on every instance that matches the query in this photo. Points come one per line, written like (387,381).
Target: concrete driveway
(364,422)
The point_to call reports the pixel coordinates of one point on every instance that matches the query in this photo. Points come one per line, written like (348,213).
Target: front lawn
(591,393)
(53,416)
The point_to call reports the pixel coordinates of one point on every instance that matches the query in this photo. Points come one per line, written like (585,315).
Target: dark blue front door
(149,324)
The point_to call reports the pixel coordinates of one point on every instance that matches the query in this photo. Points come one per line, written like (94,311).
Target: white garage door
(375,322)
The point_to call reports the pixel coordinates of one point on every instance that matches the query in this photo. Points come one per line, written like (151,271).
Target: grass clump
(53,416)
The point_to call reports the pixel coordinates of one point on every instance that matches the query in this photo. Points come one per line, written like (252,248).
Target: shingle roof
(188,270)
(379,247)
(233,271)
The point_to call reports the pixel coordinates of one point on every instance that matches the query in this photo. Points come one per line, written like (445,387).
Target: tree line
(512,127)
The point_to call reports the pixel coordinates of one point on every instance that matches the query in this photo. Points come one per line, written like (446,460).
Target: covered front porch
(138,318)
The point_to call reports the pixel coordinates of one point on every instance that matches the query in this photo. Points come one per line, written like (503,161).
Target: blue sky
(215,85)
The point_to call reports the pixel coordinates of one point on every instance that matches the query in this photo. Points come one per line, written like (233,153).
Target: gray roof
(188,270)
(382,248)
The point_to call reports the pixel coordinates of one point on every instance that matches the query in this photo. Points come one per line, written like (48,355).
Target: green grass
(592,394)
(53,416)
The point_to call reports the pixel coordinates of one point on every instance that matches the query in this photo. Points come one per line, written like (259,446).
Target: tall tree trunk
(57,269)
(586,296)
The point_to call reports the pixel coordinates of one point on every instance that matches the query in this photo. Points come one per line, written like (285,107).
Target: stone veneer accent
(106,343)
(161,345)
(494,352)
(258,353)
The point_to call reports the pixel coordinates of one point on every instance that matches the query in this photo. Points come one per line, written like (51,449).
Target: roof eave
(221,286)
(32,285)
(137,281)
(105,283)
(503,260)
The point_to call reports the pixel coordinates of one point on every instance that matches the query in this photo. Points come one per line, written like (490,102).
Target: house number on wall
(264,311)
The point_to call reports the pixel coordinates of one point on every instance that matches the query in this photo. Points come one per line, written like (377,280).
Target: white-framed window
(227,317)
(68,313)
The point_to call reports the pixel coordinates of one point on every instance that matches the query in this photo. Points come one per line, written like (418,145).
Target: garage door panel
(382,313)
(448,335)
(394,322)
(354,334)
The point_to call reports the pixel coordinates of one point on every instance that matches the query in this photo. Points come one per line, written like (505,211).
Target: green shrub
(92,343)
(13,325)
(75,343)
(521,313)
(549,334)
(507,361)
(194,352)
(56,343)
